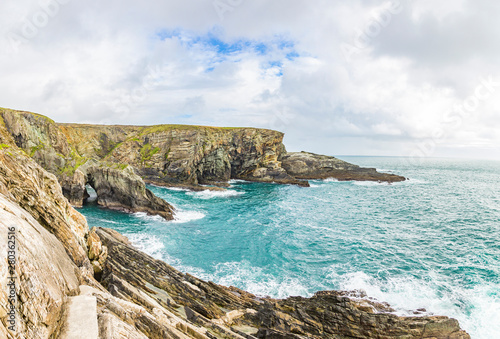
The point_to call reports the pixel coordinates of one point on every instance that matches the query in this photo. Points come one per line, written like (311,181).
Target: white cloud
(154,62)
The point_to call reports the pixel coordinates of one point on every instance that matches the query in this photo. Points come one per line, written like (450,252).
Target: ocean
(431,242)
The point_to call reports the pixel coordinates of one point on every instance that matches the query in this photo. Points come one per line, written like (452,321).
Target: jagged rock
(171,155)
(146,298)
(39,193)
(122,189)
(185,155)
(45,275)
(328,314)
(74,188)
(118,185)
(304,165)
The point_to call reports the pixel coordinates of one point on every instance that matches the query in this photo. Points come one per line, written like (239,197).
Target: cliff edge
(66,281)
(117,161)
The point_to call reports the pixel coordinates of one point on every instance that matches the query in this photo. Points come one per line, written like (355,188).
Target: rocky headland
(73,282)
(117,161)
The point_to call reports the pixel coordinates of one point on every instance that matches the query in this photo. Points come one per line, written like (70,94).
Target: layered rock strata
(168,155)
(62,269)
(117,185)
(304,165)
(227,312)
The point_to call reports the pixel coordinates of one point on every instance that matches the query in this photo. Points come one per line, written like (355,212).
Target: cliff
(186,155)
(70,282)
(117,184)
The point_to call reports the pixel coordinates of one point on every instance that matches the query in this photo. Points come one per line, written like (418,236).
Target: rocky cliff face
(207,310)
(119,159)
(186,155)
(119,186)
(71,282)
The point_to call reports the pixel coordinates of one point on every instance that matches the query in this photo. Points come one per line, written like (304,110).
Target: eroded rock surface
(167,155)
(44,141)
(229,312)
(136,296)
(305,165)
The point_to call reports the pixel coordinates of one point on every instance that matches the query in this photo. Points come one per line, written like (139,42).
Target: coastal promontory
(74,282)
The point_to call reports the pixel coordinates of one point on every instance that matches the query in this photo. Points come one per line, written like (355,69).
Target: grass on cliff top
(40,116)
(170,127)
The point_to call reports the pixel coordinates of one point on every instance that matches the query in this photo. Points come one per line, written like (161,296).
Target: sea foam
(207,194)
(182,216)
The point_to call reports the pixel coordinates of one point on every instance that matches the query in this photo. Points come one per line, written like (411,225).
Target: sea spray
(427,243)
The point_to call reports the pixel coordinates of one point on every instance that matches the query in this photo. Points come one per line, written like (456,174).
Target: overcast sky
(400,78)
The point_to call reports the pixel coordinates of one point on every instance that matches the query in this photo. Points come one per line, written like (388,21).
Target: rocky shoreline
(117,161)
(73,282)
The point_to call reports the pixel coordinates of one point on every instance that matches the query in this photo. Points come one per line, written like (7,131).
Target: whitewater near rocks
(63,266)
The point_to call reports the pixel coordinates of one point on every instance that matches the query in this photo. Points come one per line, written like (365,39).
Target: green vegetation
(165,128)
(34,149)
(167,154)
(120,166)
(36,115)
(39,116)
(147,151)
(72,165)
(2,146)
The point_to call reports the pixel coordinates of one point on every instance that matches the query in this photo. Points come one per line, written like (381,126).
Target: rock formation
(117,184)
(213,311)
(168,155)
(304,165)
(71,282)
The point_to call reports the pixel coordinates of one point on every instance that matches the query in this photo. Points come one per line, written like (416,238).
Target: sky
(383,78)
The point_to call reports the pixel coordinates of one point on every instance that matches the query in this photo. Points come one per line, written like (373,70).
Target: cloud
(276,64)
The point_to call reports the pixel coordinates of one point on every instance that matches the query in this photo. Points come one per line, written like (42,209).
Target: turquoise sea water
(432,242)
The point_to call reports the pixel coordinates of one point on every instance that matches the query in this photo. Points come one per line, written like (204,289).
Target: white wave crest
(182,216)
(371,183)
(254,280)
(148,244)
(148,217)
(477,309)
(235,181)
(207,194)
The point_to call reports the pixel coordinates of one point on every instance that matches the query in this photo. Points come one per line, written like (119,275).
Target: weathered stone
(138,296)
(304,165)
(122,189)
(328,314)
(118,185)
(45,275)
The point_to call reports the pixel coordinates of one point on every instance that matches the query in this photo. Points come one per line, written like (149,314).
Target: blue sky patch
(278,49)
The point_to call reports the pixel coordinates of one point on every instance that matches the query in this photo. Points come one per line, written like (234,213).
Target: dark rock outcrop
(122,189)
(304,165)
(118,185)
(229,312)
(136,296)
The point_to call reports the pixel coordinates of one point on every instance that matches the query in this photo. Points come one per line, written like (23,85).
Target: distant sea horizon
(432,242)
